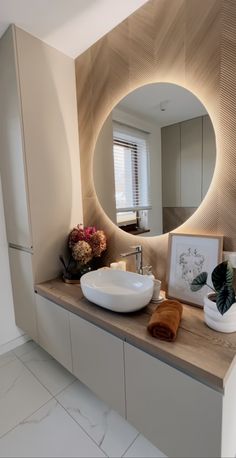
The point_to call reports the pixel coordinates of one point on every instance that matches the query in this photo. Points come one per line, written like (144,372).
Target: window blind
(131,167)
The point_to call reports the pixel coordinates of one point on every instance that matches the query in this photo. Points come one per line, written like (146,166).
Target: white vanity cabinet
(98,361)
(13,165)
(180,415)
(180,395)
(54,331)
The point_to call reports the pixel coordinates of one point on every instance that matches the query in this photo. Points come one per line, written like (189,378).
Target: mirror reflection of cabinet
(188,157)
(170,140)
(208,153)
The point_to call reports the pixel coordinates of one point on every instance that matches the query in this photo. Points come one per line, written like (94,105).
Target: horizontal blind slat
(130,151)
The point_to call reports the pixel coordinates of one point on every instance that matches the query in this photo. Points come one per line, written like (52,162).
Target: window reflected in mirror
(154,159)
(132,176)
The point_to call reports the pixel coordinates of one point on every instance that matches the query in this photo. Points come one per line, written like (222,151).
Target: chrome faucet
(138,253)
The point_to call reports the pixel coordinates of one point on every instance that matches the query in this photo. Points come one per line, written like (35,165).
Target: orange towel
(165,320)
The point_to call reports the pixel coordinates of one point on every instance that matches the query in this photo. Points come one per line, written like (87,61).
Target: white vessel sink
(117,290)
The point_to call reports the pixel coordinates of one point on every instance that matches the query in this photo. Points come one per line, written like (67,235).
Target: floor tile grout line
(57,394)
(65,388)
(8,362)
(25,418)
(136,437)
(81,427)
(91,436)
(38,380)
(25,353)
(54,396)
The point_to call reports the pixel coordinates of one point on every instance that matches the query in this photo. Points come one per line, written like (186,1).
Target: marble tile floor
(46,412)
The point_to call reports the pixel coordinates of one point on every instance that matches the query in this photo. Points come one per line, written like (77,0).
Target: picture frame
(188,256)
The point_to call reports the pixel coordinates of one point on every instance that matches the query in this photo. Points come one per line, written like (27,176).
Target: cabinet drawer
(181,416)
(54,330)
(98,361)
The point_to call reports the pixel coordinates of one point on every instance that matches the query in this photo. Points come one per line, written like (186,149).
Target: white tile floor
(46,412)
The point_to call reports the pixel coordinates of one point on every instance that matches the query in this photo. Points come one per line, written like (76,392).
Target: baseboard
(8,346)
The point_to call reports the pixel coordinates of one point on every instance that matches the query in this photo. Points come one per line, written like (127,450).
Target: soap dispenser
(156,284)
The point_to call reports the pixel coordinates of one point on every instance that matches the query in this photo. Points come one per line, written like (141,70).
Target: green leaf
(222,275)
(225,298)
(198,282)
(229,275)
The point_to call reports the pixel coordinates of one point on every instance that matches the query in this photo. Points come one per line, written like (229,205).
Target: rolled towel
(165,320)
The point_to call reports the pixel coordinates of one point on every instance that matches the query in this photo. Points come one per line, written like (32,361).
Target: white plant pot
(214,319)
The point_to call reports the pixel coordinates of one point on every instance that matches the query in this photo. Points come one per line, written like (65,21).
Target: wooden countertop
(198,351)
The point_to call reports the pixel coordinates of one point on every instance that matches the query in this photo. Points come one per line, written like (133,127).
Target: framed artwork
(188,256)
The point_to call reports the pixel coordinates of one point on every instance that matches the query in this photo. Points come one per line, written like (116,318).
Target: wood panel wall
(188,42)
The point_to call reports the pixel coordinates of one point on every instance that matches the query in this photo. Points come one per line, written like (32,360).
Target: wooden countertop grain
(198,351)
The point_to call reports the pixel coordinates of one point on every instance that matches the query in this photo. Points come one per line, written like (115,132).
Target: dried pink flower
(88,232)
(80,233)
(82,252)
(98,243)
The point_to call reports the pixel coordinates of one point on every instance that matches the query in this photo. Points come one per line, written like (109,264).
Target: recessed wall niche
(185,42)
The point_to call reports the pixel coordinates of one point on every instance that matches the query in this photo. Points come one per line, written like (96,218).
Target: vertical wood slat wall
(187,42)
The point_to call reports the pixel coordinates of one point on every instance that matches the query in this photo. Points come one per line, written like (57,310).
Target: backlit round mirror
(154,159)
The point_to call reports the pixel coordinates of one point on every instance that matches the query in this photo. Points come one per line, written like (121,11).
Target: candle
(122,265)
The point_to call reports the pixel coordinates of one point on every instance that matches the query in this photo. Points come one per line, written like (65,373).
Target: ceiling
(176,102)
(71,26)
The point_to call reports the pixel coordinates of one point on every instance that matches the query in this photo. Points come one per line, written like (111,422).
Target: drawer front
(181,416)
(54,330)
(98,361)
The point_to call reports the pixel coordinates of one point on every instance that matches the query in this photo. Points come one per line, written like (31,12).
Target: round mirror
(154,159)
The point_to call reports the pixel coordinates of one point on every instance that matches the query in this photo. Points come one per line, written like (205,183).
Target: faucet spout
(138,253)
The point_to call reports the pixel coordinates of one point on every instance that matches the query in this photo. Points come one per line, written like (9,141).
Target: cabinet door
(170,145)
(54,330)
(23,291)
(12,159)
(208,154)
(49,110)
(181,416)
(191,162)
(98,362)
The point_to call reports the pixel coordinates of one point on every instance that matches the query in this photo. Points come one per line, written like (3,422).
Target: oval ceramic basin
(117,290)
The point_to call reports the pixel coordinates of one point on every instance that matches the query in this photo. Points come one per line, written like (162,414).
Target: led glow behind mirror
(154,159)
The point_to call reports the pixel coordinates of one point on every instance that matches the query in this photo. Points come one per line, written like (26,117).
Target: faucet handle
(136,247)
(147,270)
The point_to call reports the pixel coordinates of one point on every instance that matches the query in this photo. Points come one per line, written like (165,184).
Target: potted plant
(219,305)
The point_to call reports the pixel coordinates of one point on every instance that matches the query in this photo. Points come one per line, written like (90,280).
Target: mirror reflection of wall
(154,159)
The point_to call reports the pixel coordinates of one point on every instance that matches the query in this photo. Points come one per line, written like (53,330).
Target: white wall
(8,329)
(103,170)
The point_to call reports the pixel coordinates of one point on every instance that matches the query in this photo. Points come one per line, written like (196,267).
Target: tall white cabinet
(39,162)
(188,161)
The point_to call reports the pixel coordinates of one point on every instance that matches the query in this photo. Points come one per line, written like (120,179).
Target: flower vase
(73,277)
